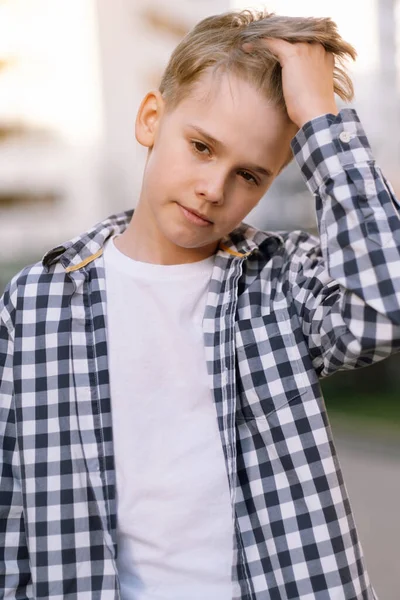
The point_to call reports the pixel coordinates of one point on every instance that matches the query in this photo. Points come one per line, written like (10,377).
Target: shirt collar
(77,252)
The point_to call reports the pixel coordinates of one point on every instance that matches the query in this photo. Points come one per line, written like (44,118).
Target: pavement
(370,460)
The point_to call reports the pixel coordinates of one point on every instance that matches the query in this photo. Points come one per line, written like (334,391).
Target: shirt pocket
(269,368)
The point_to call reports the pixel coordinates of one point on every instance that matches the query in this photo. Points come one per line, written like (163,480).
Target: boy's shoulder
(49,275)
(54,263)
(293,246)
(298,241)
(25,284)
(298,256)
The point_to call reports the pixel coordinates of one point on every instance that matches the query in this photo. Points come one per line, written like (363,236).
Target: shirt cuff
(326,145)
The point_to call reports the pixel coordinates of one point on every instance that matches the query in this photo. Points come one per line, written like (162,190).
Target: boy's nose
(212,188)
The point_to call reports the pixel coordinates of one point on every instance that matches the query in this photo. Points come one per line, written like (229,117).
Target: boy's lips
(196,214)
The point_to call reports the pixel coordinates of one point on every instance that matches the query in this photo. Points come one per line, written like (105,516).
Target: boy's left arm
(346,288)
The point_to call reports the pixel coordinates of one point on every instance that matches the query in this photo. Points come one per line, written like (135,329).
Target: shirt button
(345,137)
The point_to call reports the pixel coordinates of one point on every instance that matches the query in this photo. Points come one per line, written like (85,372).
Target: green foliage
(370,394)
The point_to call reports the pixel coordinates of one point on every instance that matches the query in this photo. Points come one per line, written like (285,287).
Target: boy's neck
(141,241)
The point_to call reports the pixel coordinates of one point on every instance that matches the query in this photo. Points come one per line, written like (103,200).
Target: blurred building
(50,123)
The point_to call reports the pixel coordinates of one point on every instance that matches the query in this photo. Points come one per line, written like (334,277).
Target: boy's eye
(248,177)
(203,149)
(200,147)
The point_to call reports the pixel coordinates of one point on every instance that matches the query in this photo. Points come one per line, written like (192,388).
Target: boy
(164,436)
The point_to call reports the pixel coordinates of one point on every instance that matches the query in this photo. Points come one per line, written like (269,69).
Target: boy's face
(216,153)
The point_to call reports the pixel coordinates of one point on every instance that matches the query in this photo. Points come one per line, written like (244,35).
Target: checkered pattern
(283,310)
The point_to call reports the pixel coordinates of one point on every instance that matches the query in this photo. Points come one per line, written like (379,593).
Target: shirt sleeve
(346,285)
(15,576)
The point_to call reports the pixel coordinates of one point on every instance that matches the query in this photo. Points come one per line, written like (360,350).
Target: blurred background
(72,75)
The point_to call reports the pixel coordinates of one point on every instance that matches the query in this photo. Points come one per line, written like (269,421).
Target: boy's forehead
(221,86)
(227,99)
(231,107)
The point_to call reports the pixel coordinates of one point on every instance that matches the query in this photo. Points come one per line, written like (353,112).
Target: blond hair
(217,42)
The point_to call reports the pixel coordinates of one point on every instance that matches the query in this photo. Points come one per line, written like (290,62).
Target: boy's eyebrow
(217,143)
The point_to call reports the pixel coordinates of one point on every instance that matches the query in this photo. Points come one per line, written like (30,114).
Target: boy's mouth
(195,217)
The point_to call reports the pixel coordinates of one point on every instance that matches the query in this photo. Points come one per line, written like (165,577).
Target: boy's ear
(148,118)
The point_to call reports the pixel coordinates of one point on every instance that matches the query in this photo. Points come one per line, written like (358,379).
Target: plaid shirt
(282,311)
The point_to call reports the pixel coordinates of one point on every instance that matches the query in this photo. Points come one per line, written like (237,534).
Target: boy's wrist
(315,111)
(340,140)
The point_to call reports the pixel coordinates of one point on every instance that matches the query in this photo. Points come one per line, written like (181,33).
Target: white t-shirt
(175,532)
